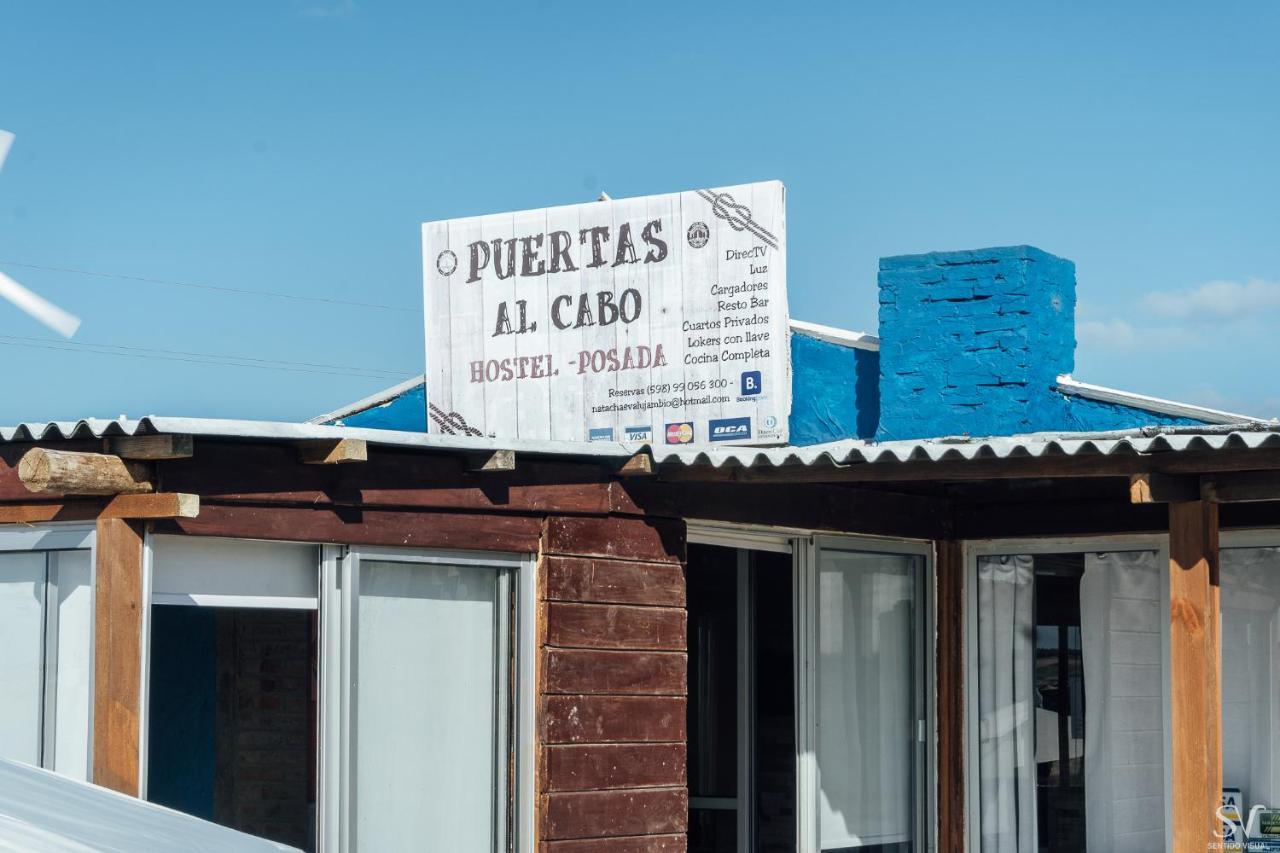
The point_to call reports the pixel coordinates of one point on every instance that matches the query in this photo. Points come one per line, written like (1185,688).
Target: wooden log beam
(68,472)
(1195,680)
(151,447)
(117,678)
(161,505)
(333,451)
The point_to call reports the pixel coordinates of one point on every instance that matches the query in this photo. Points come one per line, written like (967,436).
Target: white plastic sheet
(42,812)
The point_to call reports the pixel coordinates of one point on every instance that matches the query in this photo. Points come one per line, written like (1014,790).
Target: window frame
(47,539)
(973,549)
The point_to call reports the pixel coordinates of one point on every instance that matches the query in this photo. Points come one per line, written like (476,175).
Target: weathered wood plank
(390,478)
(630,844)
(601,767)
(1057,519)
(1196,699)
(162,505)
(611,626)
(658,540)
(44,470)
(838,508)
(333,451)
(613,672)
(613,581)
(464,531)
(612,719)
(117,680)
(151,447)
(1241,487)
(950,697)
(595,814)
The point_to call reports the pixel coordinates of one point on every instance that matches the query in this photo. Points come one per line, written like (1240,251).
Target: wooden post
(1195,682)
(117,678)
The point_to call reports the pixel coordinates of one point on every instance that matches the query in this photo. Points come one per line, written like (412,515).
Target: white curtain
(427,687)
(1006,704)
(1121,621)
(866,712)
(1251,673)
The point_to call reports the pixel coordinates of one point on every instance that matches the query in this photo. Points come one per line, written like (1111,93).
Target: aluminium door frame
(971,550)
(803,545)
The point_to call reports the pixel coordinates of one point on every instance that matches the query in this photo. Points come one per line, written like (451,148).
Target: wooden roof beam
(639,465)
(1163,488)
(497,460)
(132,507)
(1232,487)
(150,447)
(333,451)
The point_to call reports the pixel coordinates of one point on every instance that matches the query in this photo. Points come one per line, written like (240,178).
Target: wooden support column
(1195,680)
(117,672)
(950,697)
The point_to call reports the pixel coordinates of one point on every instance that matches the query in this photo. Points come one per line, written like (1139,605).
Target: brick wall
(612,687)
(265,752)
(973,342)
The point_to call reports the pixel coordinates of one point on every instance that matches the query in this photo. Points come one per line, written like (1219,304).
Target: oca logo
(750,382)
(729,429)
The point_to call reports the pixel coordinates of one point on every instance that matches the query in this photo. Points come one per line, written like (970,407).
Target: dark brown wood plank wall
(612,687)
(950,697)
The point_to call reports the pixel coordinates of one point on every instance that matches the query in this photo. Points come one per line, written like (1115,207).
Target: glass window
(869,700)
(424,709)
(1071,708)
(45,657)
(1250,596)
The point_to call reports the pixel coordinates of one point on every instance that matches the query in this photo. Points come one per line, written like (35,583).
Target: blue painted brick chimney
(973,342)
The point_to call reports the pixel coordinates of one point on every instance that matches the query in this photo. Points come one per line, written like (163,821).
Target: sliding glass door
(1068,696)
(418,721)
(863,629)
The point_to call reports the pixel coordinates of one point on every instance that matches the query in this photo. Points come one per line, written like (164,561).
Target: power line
(216,288)
(84,348)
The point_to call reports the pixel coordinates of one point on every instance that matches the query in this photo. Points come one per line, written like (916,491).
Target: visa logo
(729,429)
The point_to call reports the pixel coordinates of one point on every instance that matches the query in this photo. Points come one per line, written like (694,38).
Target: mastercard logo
(681,433)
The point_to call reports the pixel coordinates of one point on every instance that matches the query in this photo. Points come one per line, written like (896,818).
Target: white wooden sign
(659,319)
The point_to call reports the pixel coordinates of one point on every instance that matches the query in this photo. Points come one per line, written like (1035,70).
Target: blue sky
(296,146)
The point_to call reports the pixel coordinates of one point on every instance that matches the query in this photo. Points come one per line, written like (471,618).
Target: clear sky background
(296,146)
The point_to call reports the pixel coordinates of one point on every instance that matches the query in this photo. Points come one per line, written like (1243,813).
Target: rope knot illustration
(738,215)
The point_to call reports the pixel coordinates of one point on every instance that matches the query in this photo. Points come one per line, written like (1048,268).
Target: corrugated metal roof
(839,453)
